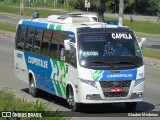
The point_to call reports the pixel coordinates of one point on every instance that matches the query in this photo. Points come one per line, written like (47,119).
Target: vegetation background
(143,7)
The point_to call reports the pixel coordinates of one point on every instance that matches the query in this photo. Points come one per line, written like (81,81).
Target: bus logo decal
(98,74)
(38,62)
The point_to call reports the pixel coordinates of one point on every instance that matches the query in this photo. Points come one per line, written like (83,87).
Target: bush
(8,102)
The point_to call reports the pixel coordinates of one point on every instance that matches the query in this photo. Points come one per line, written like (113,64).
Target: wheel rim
(71,98)
(32,88)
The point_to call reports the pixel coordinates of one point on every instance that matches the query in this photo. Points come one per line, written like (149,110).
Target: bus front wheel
(32,88)
(71,101)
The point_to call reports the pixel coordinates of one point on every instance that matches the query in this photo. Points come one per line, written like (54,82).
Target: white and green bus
(80,60)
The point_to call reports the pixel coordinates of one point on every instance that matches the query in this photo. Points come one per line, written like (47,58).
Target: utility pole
(121,10)
(21,8)
(29,3)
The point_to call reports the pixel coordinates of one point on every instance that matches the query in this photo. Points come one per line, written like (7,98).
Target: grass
(27,11)
(143,26)
(151,53)
(138,26)
(8,27)
(8,102)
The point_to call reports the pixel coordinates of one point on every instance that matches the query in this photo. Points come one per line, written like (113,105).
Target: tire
(130,106)
(70,99)
(32,88)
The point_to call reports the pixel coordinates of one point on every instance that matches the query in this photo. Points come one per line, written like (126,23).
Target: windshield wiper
(125,62)
(102,62)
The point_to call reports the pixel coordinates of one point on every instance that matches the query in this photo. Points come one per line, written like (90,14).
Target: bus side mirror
(143,43)
(66,45)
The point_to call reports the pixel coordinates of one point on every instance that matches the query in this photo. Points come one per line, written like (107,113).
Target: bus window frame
(17,36)
(58,41)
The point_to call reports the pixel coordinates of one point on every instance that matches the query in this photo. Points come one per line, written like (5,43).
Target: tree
(143,7)
(66,3)
(112,5)
(100,6)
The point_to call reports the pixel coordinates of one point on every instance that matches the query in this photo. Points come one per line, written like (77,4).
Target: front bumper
(89,94)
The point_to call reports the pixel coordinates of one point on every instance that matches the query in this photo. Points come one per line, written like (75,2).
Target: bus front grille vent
(108,85)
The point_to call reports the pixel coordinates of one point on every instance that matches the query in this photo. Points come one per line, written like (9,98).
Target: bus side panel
(50,75)
(21,71)
(62,74)
(41,67)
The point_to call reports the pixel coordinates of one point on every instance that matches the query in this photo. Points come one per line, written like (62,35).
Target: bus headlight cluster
(89,82)
(138,81)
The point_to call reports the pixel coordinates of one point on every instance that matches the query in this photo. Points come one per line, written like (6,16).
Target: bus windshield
(111,50)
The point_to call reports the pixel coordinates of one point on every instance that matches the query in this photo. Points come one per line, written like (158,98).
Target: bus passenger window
(36,46)
(45,42)
(56,37)
(21,37)
(37,40)
(29,39)
(53,50)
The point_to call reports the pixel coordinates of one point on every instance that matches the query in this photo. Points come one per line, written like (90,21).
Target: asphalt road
(8,80)
(9,19)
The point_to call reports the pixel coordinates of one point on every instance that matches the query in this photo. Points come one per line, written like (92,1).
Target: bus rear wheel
(32,88)
(71,101)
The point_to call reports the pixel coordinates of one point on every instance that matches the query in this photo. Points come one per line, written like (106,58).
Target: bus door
(19,58)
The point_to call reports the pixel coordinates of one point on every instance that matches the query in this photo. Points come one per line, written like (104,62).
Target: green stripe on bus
(64,89)
(58,27)
(58,77)
(58,88)
(62,68)
(51,26)
(55,65)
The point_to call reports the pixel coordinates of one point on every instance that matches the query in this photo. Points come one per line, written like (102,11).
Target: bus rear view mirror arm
(143,43)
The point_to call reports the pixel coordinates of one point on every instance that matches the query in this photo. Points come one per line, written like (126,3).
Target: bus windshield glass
(112,50)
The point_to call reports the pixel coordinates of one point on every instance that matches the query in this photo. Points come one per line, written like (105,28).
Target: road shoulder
(7,33)
(152,61)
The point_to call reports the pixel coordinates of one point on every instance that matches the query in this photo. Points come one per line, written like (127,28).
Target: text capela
(121,36)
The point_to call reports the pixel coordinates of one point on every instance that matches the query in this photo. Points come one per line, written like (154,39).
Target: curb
(7,34)
(157,36)
(15,15)
(152,64)
(151,61)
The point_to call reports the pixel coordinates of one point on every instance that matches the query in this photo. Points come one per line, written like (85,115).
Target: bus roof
(67,23)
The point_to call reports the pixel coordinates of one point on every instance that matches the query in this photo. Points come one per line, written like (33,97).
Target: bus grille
(107,85)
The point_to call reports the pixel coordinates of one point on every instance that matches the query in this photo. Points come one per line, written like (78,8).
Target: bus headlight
(138,81)
(89,82)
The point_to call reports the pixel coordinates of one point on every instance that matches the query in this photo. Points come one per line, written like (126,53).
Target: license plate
(116,89)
